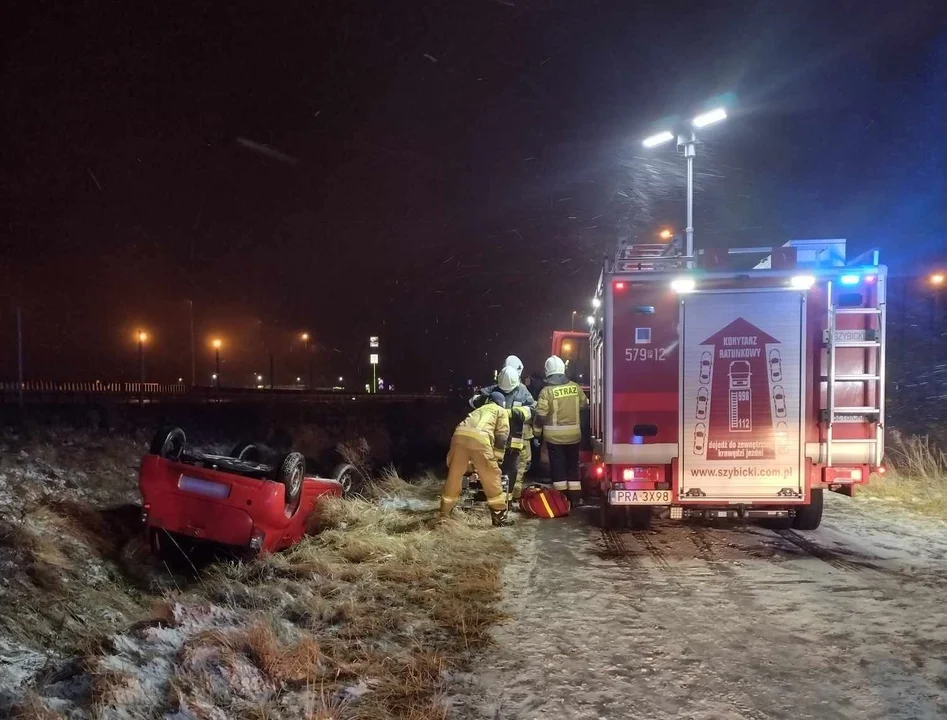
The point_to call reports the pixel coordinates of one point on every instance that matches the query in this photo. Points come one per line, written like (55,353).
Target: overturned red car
(237,500)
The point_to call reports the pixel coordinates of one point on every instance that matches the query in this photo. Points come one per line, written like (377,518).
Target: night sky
(447,175)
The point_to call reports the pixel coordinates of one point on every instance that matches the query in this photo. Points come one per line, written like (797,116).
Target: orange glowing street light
(938,279)
(217,343)
(665,234)
(142,338)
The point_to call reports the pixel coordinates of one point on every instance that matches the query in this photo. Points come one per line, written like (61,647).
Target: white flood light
(802,282)
(710,117)
(683,285)
(658,139)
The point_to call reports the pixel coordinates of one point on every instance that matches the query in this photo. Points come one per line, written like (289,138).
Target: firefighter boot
(499,517)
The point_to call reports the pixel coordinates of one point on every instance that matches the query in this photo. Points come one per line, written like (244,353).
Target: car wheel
(248,452)
(347,476)
(809,517)
(290,473)
(168,443)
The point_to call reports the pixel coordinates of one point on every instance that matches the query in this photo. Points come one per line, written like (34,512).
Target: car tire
(348,478)
(611,517)
(809,517)
(290,473)
(248,452)
(168,443)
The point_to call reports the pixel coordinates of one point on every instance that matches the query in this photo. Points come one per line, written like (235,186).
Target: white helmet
(514,362)
(509,379)
(555,366)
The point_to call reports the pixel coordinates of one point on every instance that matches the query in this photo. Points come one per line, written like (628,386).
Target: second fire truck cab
(722,391)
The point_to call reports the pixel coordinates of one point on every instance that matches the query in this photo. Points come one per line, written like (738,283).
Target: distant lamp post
(938,283)
(665,234)
(217,344)
(373,344)
(574,313)
(687,142)
(142,339)
(306,338)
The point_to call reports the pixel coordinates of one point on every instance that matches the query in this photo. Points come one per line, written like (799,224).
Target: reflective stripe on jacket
(559,411)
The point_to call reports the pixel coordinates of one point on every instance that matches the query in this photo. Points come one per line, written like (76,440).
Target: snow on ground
(726,622)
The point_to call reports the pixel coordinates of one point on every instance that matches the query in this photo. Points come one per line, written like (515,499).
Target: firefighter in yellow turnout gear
(481,440)
(558,419)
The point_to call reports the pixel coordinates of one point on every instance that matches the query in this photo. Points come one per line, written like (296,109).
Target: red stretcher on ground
(237,500)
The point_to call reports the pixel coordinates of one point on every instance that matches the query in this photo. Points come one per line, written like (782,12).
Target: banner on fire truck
(742,380)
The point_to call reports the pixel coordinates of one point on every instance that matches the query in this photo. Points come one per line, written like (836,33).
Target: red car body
(222,507)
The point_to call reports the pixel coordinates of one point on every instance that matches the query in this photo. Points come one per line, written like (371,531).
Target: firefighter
(480,439)
(521,405)
(558,420)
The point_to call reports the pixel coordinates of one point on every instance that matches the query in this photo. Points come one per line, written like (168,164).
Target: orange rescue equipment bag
(544,502)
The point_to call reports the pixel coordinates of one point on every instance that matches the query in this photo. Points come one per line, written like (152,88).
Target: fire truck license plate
(639,497)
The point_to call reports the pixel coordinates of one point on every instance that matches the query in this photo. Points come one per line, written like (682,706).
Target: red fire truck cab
(722,391)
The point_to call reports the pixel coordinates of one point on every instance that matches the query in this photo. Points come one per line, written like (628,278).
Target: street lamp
(574,313)
(217,343)
(142,339)
(305,338)
(665,234)
(687,140)
(938,282)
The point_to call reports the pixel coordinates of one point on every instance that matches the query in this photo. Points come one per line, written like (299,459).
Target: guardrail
(40,392)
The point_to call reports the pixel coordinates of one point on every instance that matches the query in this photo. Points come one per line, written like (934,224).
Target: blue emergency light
(849,279)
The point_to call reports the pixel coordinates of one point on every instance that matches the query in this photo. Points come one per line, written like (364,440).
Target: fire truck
(739,383)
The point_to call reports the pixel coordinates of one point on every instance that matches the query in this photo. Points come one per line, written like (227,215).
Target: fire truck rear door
(742,381)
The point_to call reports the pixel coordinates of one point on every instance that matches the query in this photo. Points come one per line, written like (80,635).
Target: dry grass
(32,707)
(71,564)
(917,477)
(395,597)
(385,598)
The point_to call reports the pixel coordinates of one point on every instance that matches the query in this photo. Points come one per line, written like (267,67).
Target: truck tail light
(620,285)
(599,470)
(628,474)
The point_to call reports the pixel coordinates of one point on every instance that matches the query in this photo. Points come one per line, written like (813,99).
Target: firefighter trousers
(466,450)
(564,466)
(522,465)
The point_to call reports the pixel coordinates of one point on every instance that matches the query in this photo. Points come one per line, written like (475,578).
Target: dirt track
(691,621)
